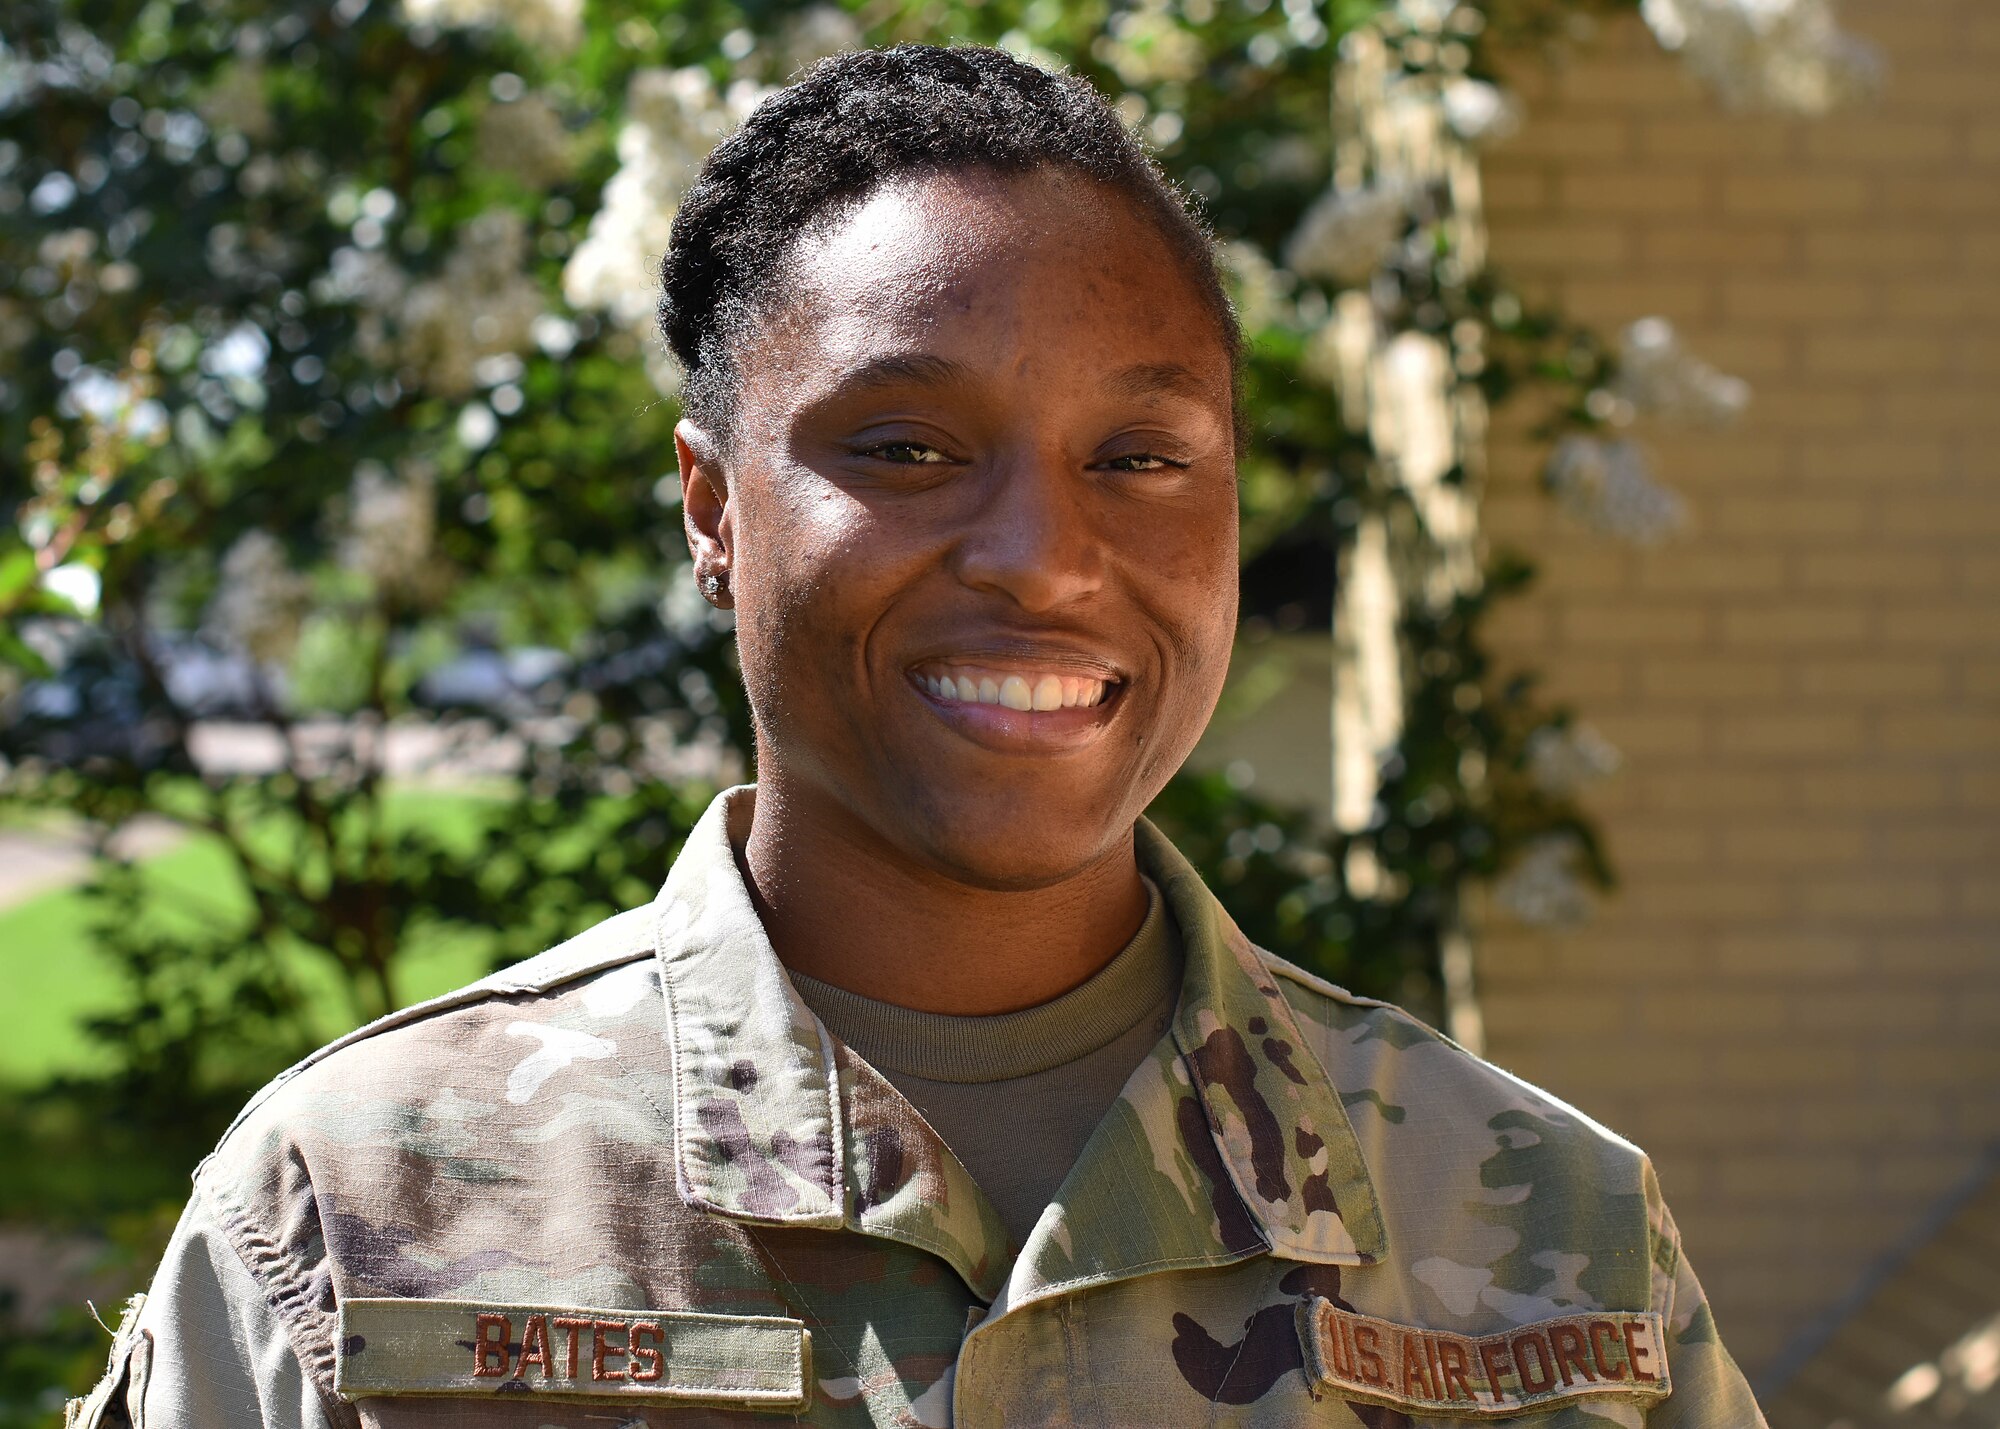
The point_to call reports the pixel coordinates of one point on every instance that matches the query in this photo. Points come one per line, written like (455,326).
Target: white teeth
(1017,692)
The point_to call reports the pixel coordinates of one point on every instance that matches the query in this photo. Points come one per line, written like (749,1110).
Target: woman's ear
(707,513)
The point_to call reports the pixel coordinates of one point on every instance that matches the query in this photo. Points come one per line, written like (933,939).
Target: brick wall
(1794,1003)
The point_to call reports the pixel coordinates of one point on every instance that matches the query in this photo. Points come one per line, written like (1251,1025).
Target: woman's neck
(843,905)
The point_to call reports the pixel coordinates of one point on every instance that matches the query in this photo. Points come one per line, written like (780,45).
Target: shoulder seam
(505,983)
(1313,981)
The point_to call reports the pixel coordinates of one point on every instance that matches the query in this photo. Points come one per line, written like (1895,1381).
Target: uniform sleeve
(1709,1391)
(205,1348)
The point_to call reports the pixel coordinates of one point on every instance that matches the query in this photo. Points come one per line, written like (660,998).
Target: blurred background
(1619,678)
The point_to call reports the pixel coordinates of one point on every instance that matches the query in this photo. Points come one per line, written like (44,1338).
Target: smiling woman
(934,1088)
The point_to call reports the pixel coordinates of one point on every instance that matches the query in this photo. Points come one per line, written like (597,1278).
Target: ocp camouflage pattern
(646,1131)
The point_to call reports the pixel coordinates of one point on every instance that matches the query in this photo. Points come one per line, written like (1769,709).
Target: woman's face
(978,517)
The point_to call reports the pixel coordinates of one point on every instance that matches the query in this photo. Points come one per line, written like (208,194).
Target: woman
(934,1088)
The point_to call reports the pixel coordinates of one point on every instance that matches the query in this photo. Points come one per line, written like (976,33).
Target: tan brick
(1818,623)
(1940,1066)
(1613,302)
(1870,1008)
(1711,569)
(1889,463)
(1803,514)
(1968,408)
(1818,299)
(1649,82)
(1878,141)
(1793,845)
(1955,87)
(1821,406)
(1887,251)
(1572,137)
(1566,246)
(1875,354)
(1942,842)
(1950,516)
(1711,246)
(1876,897)
(1714,793)
(1956,625)
(1975,732)
(1721,899)
(1655,733)
(1979,251)
(1626,190)
(1791,736)
(1511,188)
(1794,193)
(1946,195)
(1704,681)
(1652,623)
(1787,955)
(1873,680)
(1654,844)
(1870,569)
(1879,790)
(1712,137)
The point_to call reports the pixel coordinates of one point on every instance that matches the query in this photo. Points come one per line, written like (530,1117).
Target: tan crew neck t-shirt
(1016,1096)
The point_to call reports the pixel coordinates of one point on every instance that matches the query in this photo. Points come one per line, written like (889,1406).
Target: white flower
(1563,759)
(1543,888)
(540,24)
(480,305)
(1609,486)
(1785,55)
(1658,377)
(260,601)
(674,117)
(1478,112)
(390,523)
(525,138)
(1346,234)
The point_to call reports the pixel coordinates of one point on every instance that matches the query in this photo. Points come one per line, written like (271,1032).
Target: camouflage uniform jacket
(634,1182)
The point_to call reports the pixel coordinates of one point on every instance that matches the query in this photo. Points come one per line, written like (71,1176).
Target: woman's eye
(1142,461)
(905,453)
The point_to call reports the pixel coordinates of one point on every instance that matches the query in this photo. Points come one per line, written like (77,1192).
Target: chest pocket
(527,1353)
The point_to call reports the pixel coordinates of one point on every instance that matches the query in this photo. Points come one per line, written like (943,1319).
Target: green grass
(56,979)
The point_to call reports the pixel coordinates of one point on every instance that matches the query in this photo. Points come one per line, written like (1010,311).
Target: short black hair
(855,121)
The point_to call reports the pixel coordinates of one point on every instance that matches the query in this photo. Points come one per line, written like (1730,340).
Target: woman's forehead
(995,258)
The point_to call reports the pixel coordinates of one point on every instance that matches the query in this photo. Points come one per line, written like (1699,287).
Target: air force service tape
(466,1348)
(1525,1368)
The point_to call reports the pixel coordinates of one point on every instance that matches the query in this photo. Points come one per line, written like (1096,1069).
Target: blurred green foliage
(300,440)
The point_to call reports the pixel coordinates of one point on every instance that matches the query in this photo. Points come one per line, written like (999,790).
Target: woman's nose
(1034,538)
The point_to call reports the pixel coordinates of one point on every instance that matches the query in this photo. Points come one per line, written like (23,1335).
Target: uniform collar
(1232,1117)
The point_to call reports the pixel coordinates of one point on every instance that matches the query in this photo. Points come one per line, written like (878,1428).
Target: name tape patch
(1615,1352)
(463,1347)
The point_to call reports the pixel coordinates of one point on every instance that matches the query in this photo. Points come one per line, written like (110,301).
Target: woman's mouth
(1014,689)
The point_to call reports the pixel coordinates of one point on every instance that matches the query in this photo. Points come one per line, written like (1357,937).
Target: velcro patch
(1359,1357)
(463,1347)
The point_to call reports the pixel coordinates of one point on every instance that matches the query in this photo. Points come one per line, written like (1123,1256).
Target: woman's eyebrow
(1157,379)
(902,369)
